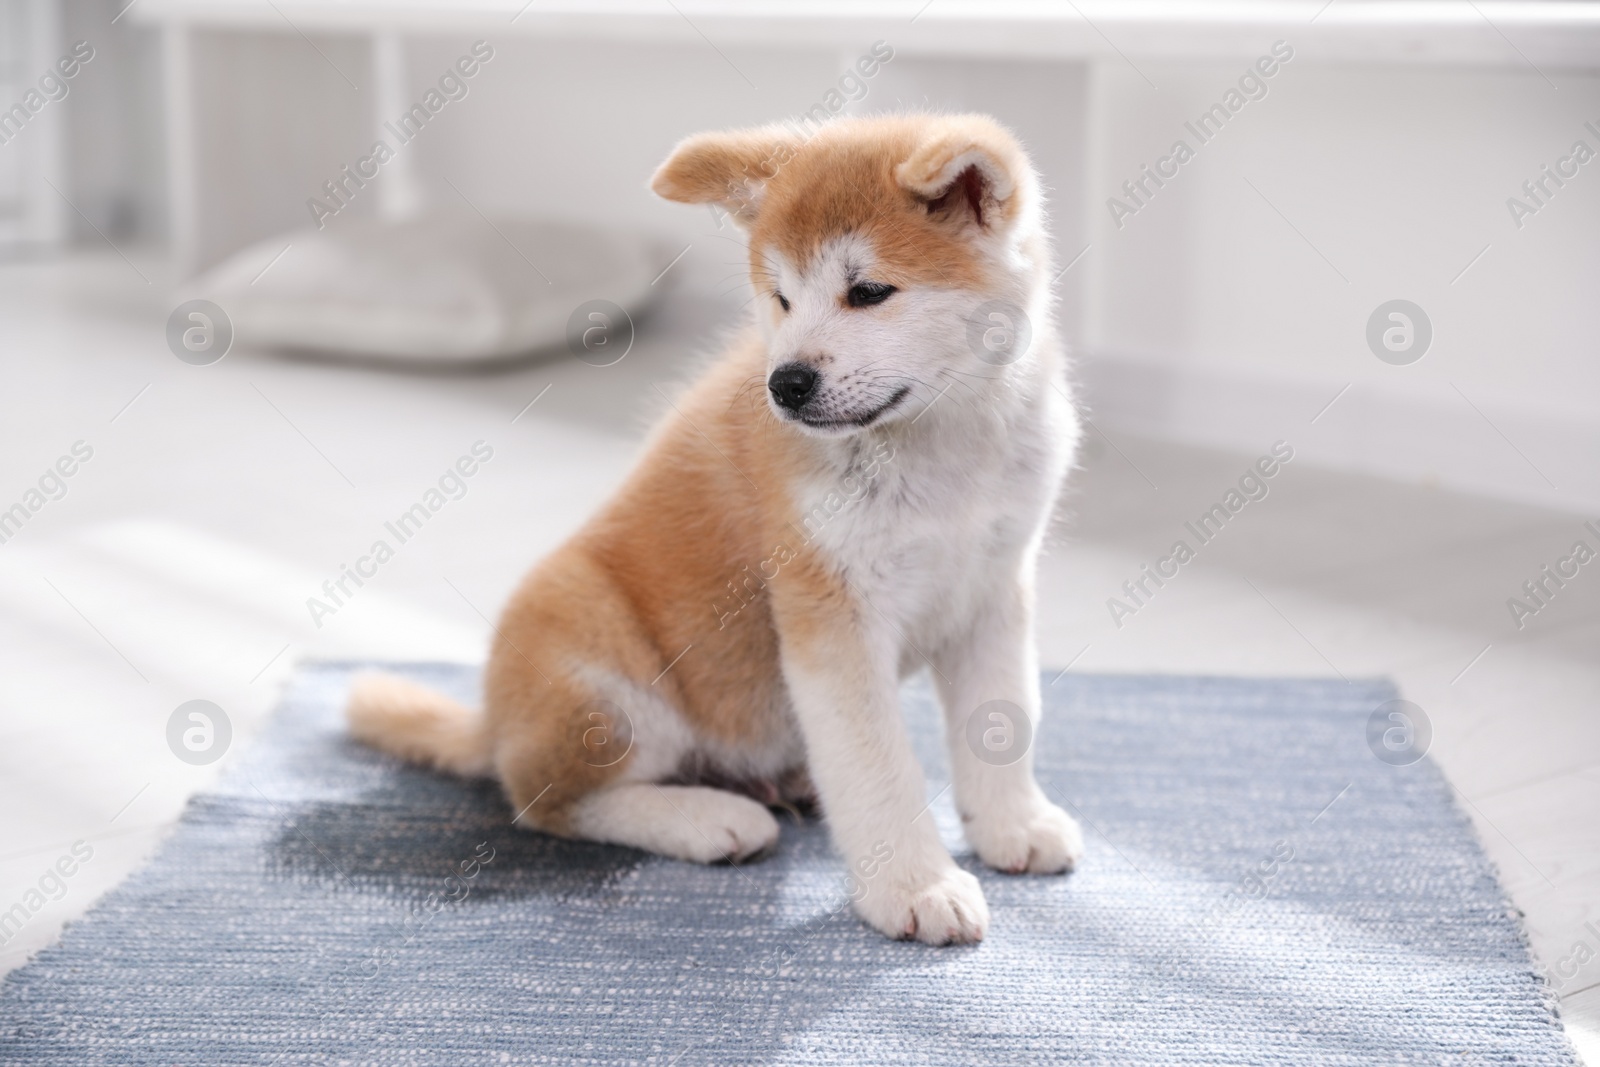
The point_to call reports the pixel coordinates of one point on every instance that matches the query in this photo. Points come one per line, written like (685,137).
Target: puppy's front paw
(947,909)
(1040,839)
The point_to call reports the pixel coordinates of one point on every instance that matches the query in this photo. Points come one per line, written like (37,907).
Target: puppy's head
(890,256)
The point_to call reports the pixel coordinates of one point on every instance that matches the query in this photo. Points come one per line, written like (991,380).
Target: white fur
(686,822)
(941,553)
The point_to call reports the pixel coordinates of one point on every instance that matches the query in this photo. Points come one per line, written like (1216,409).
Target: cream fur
(807,562)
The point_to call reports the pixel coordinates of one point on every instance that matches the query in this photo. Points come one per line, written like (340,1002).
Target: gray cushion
(438,289)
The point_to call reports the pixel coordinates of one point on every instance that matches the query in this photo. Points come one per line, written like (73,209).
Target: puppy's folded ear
(968,169)
(730,169)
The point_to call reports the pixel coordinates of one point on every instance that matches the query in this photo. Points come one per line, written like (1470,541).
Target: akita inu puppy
(857,488)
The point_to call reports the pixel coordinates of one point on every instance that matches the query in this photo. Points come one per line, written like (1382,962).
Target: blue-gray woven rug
(1259,889)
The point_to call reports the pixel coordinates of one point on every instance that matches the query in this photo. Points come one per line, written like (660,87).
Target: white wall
(1211,319)
(275,120)
(1207,317)
(577,129)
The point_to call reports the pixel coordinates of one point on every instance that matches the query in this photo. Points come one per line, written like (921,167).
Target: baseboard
(1433,433)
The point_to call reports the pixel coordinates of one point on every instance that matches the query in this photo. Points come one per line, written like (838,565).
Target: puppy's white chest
(947,521)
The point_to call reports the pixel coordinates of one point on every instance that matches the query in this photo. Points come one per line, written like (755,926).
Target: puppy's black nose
(791,385)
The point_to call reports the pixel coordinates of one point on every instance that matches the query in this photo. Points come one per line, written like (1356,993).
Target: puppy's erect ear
(730,169)
(969,169)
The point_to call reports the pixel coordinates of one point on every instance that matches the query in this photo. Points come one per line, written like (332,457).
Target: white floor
(219,498)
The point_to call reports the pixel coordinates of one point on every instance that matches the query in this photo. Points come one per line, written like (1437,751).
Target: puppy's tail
(417,724)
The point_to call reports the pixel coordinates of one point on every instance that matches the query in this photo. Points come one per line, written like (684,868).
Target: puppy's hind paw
(686,822)
(724,828)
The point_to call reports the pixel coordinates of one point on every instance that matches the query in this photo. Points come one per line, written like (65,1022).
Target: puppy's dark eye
(868,293)
(783,301)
